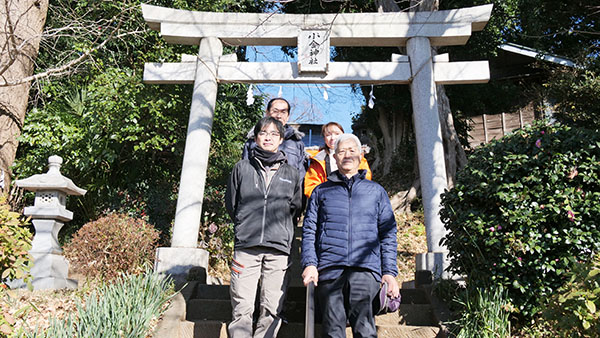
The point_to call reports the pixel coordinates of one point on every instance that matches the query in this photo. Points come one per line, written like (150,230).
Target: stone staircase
(202,311)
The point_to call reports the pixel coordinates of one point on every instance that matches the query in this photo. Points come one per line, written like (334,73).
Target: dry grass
(411,241)
(221,271)
(32,310)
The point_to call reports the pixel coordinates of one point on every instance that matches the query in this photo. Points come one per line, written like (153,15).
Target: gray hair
(345,137)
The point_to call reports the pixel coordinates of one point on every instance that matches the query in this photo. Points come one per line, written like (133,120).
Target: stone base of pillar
(430,266)
(177,262)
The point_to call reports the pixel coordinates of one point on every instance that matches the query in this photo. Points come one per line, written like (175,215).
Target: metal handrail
(309,317)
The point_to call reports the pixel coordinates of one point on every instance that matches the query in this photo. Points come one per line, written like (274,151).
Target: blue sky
(308,104)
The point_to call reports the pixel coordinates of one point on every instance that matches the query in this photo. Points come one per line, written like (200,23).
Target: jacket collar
(320,156)
(339,178)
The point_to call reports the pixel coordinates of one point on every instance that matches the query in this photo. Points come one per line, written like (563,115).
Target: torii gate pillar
(183,253)
(430,152)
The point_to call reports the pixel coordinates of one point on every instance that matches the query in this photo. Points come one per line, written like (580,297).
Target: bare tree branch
(96,33)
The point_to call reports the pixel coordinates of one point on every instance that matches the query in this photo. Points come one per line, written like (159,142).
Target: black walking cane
(309,316)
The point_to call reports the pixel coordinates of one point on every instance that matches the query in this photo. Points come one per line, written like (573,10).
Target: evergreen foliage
(15,241)
(574,309)
(15,262)
(522,209)
(566,29)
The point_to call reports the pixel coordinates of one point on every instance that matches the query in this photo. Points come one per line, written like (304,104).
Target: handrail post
(309,316)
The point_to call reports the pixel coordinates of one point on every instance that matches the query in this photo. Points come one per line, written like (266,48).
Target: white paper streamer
(371,98)
(249,96)
(325,94)
(280,92)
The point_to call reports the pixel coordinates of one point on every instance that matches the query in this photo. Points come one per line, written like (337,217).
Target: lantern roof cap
(52,180)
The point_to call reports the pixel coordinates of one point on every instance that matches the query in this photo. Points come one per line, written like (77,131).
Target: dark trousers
(348,298)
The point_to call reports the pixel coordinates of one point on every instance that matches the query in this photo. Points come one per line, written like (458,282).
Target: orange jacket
(316,175)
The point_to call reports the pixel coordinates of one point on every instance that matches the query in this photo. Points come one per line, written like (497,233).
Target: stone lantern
(48,215)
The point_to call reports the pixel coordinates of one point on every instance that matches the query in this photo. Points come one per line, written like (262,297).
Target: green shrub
(522,207)
(15,241)
(574,310)
(112,245)
(125,308)
(15,262)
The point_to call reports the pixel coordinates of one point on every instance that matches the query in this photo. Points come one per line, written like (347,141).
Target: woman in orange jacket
(322,163)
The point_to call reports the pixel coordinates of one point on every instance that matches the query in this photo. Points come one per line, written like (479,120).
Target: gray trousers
(248,267)
(348,298)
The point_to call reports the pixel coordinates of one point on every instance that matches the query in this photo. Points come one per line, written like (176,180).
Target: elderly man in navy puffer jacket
(349,244)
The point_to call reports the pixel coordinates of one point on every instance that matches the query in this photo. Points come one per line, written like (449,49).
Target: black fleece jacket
(263,215)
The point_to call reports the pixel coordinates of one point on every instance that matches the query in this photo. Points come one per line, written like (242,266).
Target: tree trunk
(388,146)
(371,140)
(23,23)
(455,156)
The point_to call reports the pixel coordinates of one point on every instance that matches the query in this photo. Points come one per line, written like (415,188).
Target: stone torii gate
(313,34)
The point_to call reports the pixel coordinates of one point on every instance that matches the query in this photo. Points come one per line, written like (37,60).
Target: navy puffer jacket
(350,223)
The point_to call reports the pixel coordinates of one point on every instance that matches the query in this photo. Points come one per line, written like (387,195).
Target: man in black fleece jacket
(264,195)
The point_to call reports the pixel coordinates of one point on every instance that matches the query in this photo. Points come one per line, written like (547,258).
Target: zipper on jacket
(267,188)
(262,230)
(350,221)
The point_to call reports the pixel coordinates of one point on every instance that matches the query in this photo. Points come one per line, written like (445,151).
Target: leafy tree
(576,93)
(121,139)
(566,29)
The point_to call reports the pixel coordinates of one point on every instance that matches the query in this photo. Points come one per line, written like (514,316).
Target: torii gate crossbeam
(365,73)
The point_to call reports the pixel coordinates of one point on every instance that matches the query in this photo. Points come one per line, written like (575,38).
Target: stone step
(218,329)
(219,309)
(294,293)
(206,291)
(208,309)
(409,314)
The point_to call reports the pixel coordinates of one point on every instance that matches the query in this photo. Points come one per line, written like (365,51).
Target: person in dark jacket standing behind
(292,145)
(349,244)
(264,194)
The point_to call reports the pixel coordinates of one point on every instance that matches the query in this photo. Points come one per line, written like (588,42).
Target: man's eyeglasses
(275,111)
(347,151)
(272,134)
